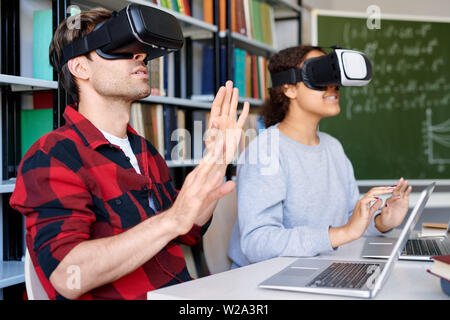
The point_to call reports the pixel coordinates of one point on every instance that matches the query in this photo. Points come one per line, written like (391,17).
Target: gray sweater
(289,195)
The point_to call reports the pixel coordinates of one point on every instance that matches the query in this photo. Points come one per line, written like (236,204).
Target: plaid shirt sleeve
(56,203)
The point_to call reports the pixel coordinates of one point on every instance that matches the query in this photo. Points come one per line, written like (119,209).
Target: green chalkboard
(398,125)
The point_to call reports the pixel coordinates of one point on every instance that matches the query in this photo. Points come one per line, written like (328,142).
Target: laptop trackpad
(305,267)
(298,272)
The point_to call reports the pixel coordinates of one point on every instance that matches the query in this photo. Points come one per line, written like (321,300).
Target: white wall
(440,8)
(414,7)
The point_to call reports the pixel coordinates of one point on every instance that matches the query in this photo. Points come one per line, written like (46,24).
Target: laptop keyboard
(344,275)
(421,247)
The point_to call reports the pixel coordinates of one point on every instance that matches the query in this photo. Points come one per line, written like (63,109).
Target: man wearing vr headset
(102,216)
(311,203)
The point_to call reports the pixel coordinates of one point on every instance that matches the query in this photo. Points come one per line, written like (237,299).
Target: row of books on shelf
(181,6)
(250,73)
(252,18)
(175,133)
(178,134)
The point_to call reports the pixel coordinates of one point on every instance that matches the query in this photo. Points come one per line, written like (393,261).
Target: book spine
(239,71)
(222,15)
(208,15)
(256,14)
(187,8)
(181,6)
(175,6)
(223,67)
(254,78)
(160,126)
(34,124)
(248,72)
(248,20)
(42,36)
(162,76)
(233,16)
(42,100)
(208,66)
(167,125)
(240,17)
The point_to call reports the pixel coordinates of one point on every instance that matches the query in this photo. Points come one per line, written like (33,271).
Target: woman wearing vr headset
(305,201)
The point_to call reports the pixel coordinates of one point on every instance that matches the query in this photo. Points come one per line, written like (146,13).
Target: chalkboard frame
(441,184)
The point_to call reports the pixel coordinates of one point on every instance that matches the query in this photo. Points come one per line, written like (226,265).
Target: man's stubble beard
(123,89)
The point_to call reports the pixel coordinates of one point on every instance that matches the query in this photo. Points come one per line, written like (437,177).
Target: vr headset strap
(93,41)
(291,76)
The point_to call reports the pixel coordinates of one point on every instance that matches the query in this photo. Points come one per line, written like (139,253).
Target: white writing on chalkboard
(436,136)
(406,74)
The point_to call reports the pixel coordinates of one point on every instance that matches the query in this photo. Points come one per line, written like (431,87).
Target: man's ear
(79,67)
(290,91)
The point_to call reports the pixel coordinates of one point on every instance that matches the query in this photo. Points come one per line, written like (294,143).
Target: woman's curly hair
(275,108)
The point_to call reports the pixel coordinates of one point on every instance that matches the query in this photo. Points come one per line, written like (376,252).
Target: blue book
(239,71)
(223,65)
(170,124)
(165,74)
(198,130)
(208,71)
(173,127)
(42,36)
(167,132)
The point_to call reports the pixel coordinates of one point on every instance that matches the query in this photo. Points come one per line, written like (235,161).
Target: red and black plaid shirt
(73,186)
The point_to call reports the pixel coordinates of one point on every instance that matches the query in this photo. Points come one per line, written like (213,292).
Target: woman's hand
(364,211)
(395,208)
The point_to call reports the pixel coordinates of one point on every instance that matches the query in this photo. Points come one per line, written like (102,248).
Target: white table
(408,280)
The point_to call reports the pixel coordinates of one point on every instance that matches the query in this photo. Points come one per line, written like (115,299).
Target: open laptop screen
(404,235)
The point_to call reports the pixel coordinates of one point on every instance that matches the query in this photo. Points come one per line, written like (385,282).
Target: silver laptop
(417,249)
(349,278)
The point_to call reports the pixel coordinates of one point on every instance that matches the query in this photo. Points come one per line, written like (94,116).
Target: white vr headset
(341,67)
